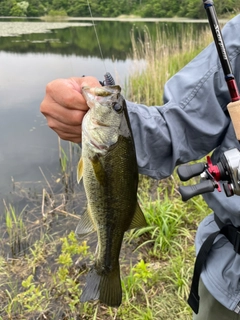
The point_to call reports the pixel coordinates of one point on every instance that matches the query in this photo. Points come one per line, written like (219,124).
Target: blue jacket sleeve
(193,120)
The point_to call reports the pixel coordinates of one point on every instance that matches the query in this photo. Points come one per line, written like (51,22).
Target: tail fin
(105,287)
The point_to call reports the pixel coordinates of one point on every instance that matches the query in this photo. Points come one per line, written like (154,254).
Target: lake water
(32,53)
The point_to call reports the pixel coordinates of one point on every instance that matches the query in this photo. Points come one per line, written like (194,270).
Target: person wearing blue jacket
(192,122)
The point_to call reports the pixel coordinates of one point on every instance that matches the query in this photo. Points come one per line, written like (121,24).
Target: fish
(108,168)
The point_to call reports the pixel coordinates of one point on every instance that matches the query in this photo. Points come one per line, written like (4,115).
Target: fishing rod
(222,52)
(228,168)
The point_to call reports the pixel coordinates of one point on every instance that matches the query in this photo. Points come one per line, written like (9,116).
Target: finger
(85,81)
(69,136)
(68,129)
(65,94)
(61,114)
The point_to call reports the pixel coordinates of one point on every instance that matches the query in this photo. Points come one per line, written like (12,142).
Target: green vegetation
(44,279)
(46,282)
(164,57)
(33,288)
(114,8)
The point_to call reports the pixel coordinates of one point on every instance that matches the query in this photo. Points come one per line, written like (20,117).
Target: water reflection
(79,37)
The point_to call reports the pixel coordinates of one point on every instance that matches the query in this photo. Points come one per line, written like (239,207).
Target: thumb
(87,81)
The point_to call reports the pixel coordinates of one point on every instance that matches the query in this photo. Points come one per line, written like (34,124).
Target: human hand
(64,106)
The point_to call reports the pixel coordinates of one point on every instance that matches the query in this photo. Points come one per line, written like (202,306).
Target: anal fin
(85,225)
(138,220)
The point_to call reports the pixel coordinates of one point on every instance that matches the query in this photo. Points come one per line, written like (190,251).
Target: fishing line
(95,30)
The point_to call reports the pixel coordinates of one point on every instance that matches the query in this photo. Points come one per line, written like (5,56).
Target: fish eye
(117,107)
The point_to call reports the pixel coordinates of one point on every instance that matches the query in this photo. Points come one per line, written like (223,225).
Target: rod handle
(234,112)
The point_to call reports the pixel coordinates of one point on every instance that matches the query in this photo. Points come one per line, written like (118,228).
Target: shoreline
(123,19)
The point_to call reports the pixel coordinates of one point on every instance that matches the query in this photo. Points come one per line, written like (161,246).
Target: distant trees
(19,8)
(114,8)
(5,7)
(185,8)
(31,8)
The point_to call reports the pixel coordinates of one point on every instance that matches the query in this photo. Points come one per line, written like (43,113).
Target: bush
(58,13)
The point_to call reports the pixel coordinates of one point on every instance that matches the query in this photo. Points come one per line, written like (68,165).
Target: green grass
(156,262)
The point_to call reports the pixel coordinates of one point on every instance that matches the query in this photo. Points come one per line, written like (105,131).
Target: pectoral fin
(85,225)
(138,220)
(98,170)
(79,170)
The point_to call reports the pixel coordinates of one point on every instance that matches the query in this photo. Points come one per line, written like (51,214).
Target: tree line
(113,8)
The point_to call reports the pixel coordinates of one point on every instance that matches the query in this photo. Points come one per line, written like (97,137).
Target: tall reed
(162,57)
(16,229)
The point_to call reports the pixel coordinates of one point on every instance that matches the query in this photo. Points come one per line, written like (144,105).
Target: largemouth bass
(109,170)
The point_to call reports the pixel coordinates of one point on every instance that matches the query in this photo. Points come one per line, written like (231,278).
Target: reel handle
(187,192)
(186,172)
